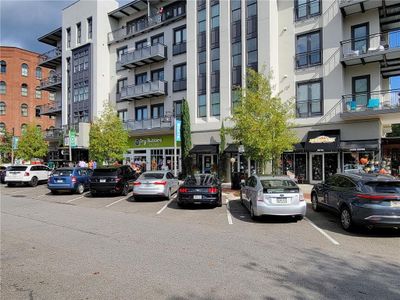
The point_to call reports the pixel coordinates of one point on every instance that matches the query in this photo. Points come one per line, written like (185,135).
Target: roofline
(19,48)
(125,6)
(71,4)
(50,33)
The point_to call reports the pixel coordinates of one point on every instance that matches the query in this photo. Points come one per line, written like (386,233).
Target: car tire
(346,219)
(33,182)
(54,192)
(80,189)
(252,215)
(93,193)
(125,190)
(314,202)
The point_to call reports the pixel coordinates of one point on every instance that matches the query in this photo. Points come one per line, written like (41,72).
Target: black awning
(204,149)
(232,148)
(359,145)
(322,140)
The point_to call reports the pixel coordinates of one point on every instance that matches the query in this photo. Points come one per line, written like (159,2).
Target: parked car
(115,180)
(200,189)
(69,179)
(155,183)
(360,199)
(3,169)
(272,195)
(27,174)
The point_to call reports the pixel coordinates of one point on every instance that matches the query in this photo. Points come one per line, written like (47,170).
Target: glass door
(359,36)
(361,90)
(207,163)
(317,167)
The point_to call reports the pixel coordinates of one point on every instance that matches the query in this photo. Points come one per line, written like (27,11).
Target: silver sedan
(155,184)
(271,195)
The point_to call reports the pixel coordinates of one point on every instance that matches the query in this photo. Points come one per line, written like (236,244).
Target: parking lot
(218,246)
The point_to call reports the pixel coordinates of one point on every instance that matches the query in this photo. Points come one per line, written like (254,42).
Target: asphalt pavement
(73,246)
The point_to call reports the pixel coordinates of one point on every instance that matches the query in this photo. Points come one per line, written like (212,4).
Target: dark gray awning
(359,145)
(204,149)
(232,148)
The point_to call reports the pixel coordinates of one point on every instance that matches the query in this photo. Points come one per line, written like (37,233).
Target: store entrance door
(322,166)
(208,161)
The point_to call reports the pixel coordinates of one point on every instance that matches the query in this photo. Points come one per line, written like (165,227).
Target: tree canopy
(108,140)
(5,145)
(186,138)
(263,121)
(31,144)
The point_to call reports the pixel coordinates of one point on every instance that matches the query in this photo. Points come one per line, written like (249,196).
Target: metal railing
(148,88)
(309,108)
(370,44)
(51,80)
(148,124)
(50,108)
(308,59)
(49,55)
(372,101)
(179,85)
(179,48)
(143,53)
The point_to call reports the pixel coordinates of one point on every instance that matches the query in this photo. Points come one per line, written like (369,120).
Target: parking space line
(117,201)
(77,198)
(228,213)
(166,205)
(322,232)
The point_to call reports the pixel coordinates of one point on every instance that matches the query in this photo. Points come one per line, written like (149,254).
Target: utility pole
(175,159)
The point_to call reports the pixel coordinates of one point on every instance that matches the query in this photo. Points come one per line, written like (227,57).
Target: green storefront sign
(143,142)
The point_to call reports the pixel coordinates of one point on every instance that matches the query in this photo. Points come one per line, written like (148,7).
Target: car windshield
(392,187)
(279,185)
(105,172)
(18,168)
(152,176)
(62,172)
(200,179)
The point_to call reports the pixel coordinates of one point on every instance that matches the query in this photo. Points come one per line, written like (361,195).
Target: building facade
(21,96)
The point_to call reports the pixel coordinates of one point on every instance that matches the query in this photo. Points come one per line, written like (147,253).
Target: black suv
(117,180)
(365,199)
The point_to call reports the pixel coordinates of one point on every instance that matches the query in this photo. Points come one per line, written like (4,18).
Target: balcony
(141,57)
(55,134)
(145,90)
(179,48)
(51,83)
(50,59)
(179,85)
(51,109)
(348,7)
(158,124)
(380,47)
(384,105)
(146,25)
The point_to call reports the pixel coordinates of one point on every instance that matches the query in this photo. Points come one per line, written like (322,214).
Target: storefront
(153,153)
(205,158)
(391,154)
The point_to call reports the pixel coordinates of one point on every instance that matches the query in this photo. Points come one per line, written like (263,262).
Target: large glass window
(24,110)
(123,115)
(141,44)
(215,16)
(309,99)
(39,73)
(2,108)
(361,90)
(140,78)
(3,66)
(201,20)
(308,49)
(3,88)
(201,106)
(158,39)
(215,104)
(359,36)
(120,84)
(24,89)
(180,35)
(180,72)
(157,75)
(141,113)
(306,8)
(157,111)
(24,70)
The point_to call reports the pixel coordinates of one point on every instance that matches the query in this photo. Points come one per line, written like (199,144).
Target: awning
(361,145)
(322,140)
(204,149)
(232,148)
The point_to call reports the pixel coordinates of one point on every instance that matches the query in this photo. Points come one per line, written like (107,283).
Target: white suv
(28,174)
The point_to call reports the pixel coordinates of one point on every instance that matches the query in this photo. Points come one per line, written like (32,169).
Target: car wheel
(54,192)
(252,214)
(125,190)
(33,182)
(93,193)
(80,189)
(345,219)
(314,202)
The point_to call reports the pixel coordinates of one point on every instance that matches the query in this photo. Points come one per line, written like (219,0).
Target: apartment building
(21,96)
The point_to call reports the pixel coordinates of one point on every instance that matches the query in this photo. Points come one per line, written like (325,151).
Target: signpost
(177,138)
(15,141)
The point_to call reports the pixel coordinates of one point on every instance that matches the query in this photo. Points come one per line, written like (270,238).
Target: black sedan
(361,199)
(200,189)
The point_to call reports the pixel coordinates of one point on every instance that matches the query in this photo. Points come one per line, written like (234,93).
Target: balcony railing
(51,83)
(372,102)
(146,55)
(179,48)
(51,109)
(131,125)
(145,90)
(179,85)
(53,134)
(51,58)
(308,59)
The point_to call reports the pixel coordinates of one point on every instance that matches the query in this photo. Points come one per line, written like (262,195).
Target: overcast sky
(23,21)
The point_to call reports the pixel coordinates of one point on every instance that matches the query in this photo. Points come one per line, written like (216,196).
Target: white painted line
(322,232)
(165,206)
(77,198)
(228,213)
(119,200)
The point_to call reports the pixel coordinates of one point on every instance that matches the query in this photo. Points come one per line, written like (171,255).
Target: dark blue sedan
(361,199)
(75,180)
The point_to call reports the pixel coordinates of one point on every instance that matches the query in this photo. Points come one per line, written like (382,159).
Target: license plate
(59,181)
(102,180)
(197,197)
(281,200)
(395,203)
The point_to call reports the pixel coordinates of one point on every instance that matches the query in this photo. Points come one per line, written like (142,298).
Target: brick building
(21,96)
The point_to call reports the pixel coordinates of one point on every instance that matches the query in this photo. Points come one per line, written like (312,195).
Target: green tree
(263,121)
(108,140)
(5,146)
(186,139)
(395,131)
(222,145)
(31,144)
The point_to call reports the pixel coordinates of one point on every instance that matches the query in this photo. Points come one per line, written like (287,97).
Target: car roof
(155,172)
(369,177)
(270,177)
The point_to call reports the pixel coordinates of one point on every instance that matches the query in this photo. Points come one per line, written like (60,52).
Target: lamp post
(170,117)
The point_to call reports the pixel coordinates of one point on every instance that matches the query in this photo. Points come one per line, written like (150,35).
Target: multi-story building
(21,96)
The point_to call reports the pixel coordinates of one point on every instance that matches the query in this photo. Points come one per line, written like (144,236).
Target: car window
(277,183)
(18,168)
(170,176)
(199,179)
(34,168)
(344,182)
(79,172)
(152,176)
(253,182)
(332,180)
(392,187)
(105,172)
(62,172)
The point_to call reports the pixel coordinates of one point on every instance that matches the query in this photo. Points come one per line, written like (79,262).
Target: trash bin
(235,182)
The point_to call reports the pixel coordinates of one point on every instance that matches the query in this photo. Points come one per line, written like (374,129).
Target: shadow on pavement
(146,199)
(174,205)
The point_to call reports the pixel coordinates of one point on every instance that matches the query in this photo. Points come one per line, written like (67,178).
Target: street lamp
(168,117)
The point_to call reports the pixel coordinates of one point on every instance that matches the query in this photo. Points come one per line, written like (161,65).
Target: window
(37,111)
(305,9)
(121,83)
(3,66)
(78,33)
(215,16)
(361,90)
(179,78)
(308,49)
(24,89)
(178,108)
(157,75)
(52,96)
(24,110)
(236,54)
(173,10)
(68,37)
(201,20)
(309,99)
(24,70)
(3,88)
(121,52)
(39,73)
(157,111)
(2,108)
(23,128)
(180,35)
(215,104)
(158,39)
(236,7)
(140,44)
(201,106)
(359,38)
(2,127)
(123,115)
(90,27)
(38,93)
(252,58)
(140,78)
(141,113)
(235,98)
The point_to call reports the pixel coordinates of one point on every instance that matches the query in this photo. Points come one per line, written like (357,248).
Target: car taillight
(377,197)
(160,182)
(73,179)
(26,174)
(301,197)
(213,190)
(137,183)
(183,190)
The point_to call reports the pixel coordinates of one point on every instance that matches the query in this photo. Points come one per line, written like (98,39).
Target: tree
(31,144)
(186,139)
(395,131)
(5,145)
(108,140)
(222,145)
(262,121)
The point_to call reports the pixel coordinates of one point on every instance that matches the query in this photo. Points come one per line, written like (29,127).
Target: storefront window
(300,167)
